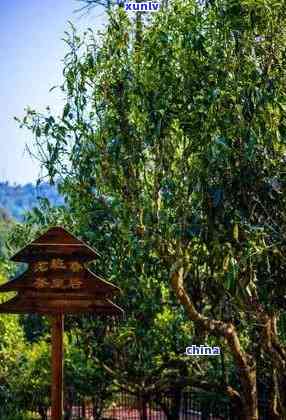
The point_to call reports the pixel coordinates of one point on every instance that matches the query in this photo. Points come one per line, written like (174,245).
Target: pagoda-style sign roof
(56,242)
(61,304)
(57,280)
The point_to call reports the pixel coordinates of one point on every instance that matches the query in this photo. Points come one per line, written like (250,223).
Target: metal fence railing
(192,406)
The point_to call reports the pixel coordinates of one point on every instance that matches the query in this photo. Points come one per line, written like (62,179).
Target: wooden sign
(44,276)
(57,282)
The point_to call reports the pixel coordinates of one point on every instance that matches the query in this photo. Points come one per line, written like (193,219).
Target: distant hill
(16,199)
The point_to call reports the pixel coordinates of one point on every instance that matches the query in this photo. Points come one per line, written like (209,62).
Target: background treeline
(18,199)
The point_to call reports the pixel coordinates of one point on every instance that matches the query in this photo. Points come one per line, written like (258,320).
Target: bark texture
(245,363)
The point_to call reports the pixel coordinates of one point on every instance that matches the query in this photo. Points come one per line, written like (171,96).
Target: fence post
(143,408)
(83,408)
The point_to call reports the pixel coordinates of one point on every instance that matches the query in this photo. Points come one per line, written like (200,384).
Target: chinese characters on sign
(57,280)
(58,264)
(42,282)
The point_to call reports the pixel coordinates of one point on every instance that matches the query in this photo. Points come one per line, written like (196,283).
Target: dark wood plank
(20,304)
(56,241)
(61,280)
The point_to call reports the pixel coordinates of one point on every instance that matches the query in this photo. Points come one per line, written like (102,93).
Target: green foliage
(31,388)
(84,378)
(20,416)
(170,152)
(12,347)
(167,161)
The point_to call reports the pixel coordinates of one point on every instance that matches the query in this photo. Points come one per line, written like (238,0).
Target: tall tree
(178,145)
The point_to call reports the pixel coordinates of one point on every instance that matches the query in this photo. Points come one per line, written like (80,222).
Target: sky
(31,54)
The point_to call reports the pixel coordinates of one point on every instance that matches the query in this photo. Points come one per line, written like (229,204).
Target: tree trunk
(277,356)
(205,411)
(83,409)
(273,411)
(244,362)
(249,393)
(68,410)
(176,405)
(143,409)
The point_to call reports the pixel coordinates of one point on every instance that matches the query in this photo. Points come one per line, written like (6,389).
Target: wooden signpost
(55,283)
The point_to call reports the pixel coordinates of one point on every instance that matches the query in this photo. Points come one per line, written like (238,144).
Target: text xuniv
(141,7)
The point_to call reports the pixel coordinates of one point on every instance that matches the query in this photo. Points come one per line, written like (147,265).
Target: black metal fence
(191,406)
